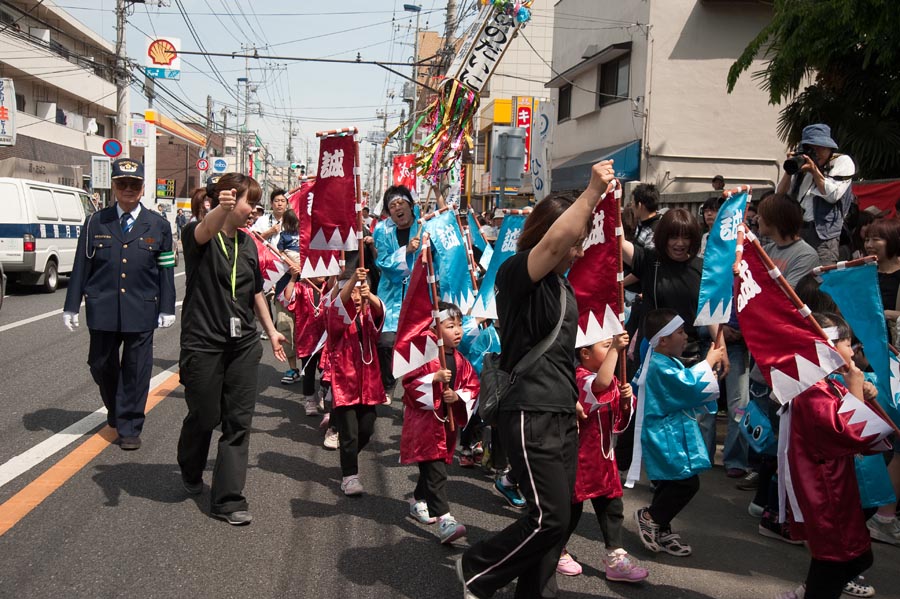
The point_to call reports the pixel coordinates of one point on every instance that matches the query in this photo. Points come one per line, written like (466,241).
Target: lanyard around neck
(234,265)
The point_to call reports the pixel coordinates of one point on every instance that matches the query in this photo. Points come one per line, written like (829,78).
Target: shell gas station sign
(162,59)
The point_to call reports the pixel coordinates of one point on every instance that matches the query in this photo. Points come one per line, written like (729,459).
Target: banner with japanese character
(451,260)
(334,211)
(507,242)
(714,305)
(595,276)
(405,171)
(315,263)
(416,344)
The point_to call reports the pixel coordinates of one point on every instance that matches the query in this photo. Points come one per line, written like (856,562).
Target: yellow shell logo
(162,52)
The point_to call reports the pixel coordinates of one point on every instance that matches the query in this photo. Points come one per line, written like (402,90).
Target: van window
(87,203)
(10,204)
(44,207)
(69,206)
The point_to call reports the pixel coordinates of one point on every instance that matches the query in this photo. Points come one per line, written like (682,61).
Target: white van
(39,227)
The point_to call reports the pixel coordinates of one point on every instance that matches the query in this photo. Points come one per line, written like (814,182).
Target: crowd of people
(567,430)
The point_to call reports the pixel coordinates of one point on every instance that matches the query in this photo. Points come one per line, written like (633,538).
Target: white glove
(70,319)
(165,321)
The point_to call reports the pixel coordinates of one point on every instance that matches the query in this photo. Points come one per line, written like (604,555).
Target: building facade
(644,82)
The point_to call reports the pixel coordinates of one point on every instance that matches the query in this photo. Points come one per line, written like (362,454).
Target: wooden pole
(620,278)
(432,280)
(337,132)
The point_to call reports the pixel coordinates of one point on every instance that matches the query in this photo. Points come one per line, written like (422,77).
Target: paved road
(121,525)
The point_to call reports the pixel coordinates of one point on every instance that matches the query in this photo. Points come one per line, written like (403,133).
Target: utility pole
(122,79)
(209,124)
(289,154)
(450,23)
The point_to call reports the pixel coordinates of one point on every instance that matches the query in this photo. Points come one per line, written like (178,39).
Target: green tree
(834,62)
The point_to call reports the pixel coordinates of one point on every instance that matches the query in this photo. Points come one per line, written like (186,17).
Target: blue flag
(475,231)
(507,242)
(487,341)
(855,291)
(452,261)
(714,305)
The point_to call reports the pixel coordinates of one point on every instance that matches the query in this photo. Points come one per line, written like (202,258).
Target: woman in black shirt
(537,420)
(220,348)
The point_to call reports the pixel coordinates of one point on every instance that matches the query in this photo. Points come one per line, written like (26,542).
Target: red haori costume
(425,436)
(608,414)
(353,358)
(825,426)
(309,317)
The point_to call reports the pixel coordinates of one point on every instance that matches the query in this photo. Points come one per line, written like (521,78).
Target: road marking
(22,503)
(24,462)
(20,323)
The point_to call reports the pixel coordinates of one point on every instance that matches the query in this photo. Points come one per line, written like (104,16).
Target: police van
(39,227)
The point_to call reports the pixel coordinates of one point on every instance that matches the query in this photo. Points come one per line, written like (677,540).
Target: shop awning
(167,126)
(575,174)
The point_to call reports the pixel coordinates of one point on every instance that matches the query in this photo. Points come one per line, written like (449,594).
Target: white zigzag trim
(595,331)
(417,357)
(707,315)
(337,241)
(320,268)
(786,387)
(862,413)
(589,398)
(426,388)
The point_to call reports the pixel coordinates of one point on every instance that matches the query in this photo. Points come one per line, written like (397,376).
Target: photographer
(819,179)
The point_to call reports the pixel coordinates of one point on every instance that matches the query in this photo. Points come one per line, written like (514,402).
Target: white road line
(24,462)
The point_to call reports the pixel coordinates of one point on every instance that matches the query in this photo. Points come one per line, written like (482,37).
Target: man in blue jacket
(124,271)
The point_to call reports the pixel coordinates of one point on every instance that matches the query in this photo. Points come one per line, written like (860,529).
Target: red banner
(334,209)
(270,265)
(524,114)
(316,263)
(405,171)
(789,351)
(594,277)
(416,345)
(881,195)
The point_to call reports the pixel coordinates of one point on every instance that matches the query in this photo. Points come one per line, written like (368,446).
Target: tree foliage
(834,62)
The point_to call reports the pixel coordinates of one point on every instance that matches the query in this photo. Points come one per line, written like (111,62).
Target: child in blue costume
(671,443)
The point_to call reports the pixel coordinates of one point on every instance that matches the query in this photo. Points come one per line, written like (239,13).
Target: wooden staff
(337,132)
(432,215)
(803,308)
(281,255)
(432,280)
(470,254)
(302,180)
(620,278)
(844,264)
(359,217)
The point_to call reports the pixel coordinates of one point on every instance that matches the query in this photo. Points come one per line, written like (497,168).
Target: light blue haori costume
(670,397)
(395,266)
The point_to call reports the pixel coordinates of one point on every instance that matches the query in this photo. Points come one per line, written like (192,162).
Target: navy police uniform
(126,277)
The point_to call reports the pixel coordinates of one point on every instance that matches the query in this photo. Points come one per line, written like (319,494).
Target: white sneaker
(332,439)
(351,486)
(312,406)
(462,579)
(451,530)
(419,511)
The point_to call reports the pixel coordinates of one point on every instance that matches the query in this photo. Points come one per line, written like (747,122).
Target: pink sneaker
(568,566)
(619,567)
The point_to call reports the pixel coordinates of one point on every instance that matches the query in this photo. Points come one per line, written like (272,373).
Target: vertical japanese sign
(405,171)
(483,48)
(524,114)
(7,113)
(541,139)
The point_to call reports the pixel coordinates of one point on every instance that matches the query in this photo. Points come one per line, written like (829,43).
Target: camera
(792,165)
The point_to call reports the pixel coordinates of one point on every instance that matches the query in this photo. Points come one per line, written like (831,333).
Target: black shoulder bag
(496,383)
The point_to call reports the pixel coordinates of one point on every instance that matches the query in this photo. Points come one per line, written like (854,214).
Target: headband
(444,315)
(667,330)
(832,333)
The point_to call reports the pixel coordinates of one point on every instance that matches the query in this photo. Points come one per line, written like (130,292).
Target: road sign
(112,147)
(100,172)
(219,165)
(161,58)
(201,153)
(139,136)
(203,164)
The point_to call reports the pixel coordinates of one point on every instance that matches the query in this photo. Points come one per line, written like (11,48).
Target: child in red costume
(825,426)
(430,393)
(604,408)
(354,319)
(305,300)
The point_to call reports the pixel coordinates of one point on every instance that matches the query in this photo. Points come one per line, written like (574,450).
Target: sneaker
(129,443)
(620,568)
(736,473)
(326,420)
(419,511)
(567,566)
(291,376)
(749,482)
(263,337)
(510,493)
(858,587)
(478,452)
(648,530)
(755,510)
(798,593)
(192,488)
(351,486)
(451,530)
(671,544)
(332,439)
(238,518)
(312,406)
(768,527)
(462,580)
(884,530)
(465,459)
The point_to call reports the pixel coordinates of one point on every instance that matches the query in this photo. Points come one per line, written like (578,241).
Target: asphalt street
(122,526)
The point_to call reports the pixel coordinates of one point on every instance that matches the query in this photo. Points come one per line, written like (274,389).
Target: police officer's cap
(127,168)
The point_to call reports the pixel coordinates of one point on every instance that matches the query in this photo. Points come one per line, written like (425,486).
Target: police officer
(124,270)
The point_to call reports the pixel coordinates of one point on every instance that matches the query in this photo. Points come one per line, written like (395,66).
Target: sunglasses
(132,184)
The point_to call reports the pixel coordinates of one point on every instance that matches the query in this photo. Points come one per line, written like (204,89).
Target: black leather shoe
(192,488)
(238,518)
(130,443)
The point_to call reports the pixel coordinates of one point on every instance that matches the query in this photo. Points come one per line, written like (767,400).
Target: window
(68,205)
(564,111)
(20,102)
(44,208)
(613,80)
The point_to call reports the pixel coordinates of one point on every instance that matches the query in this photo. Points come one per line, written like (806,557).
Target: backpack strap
(538,350)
